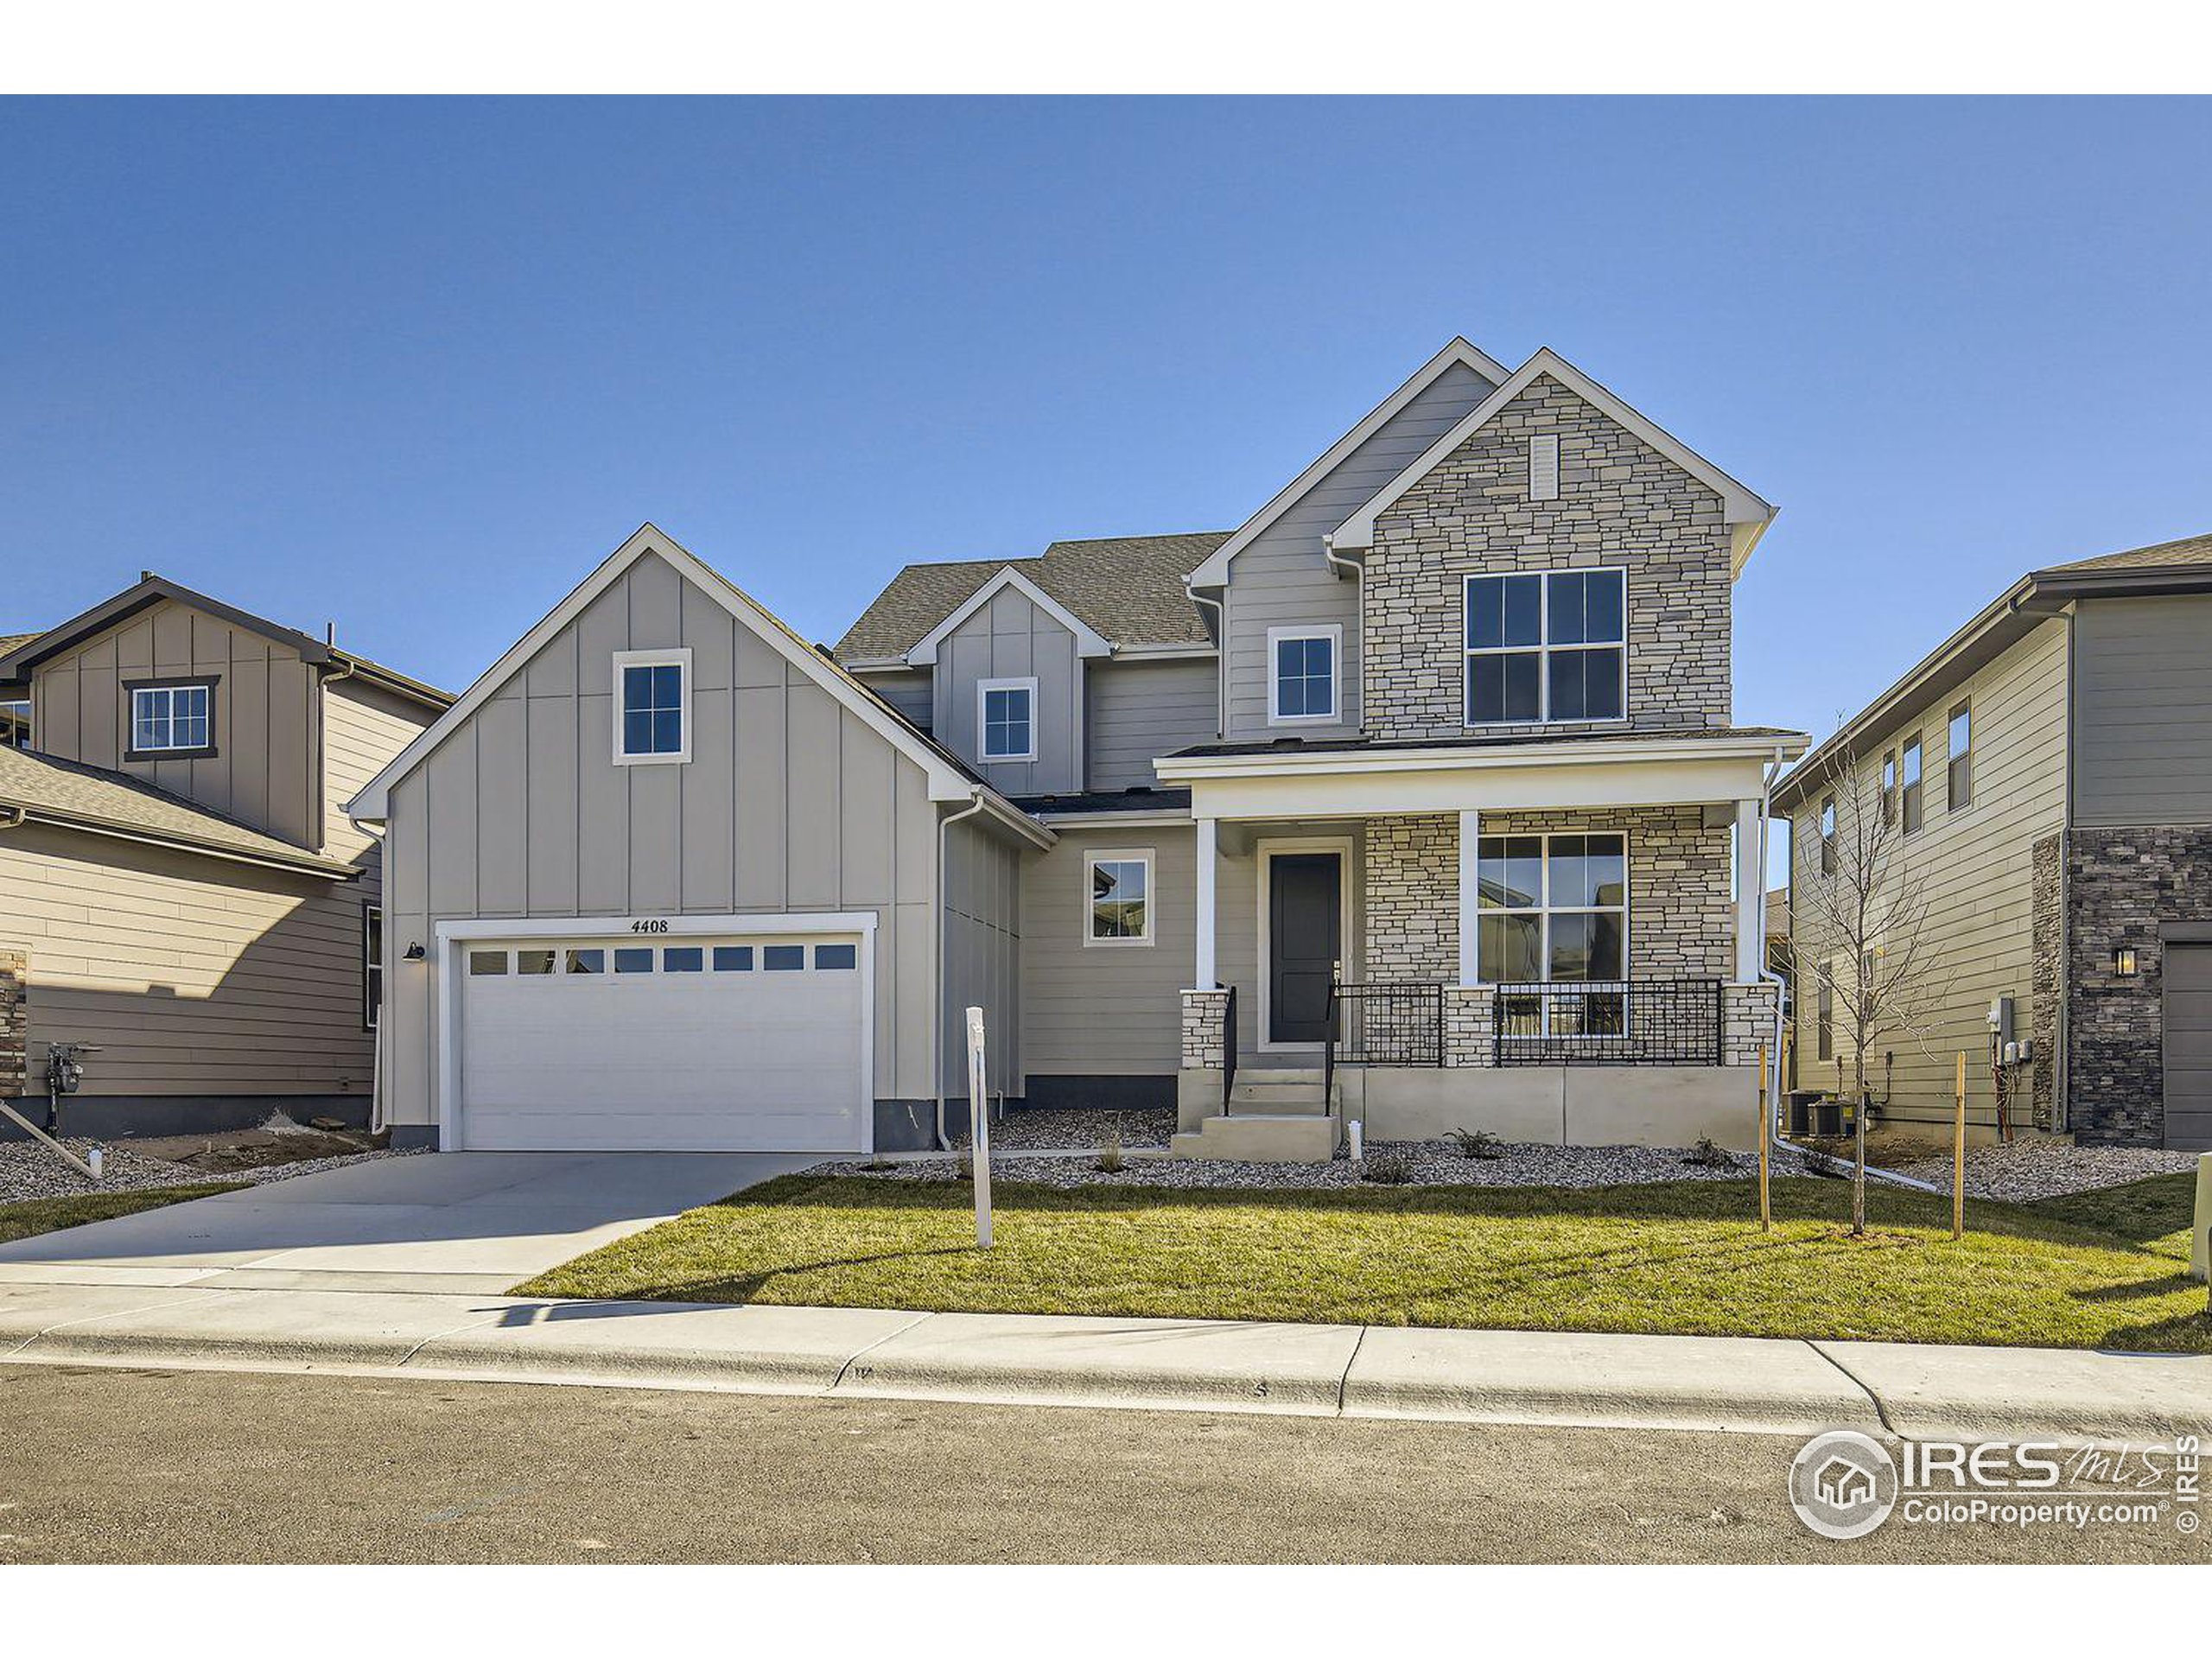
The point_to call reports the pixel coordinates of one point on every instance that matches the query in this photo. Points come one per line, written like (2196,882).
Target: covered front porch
(1550,942)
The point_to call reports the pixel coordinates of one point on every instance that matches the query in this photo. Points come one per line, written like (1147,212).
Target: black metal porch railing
(1616,1022)
(1382,1024)
(1228,1046)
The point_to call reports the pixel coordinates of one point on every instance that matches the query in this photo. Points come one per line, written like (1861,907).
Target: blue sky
(417,366)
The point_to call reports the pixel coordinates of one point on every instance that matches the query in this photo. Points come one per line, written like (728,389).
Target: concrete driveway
(466,1221)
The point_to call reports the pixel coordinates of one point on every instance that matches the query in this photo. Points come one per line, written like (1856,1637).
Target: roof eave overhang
(321,869)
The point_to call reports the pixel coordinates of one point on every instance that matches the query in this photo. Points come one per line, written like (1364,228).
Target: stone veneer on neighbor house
(1620,503)
(2047,937)
(1681,913)
(2120,885)
(15,1023)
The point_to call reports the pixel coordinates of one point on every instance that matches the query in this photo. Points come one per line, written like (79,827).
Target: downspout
(1359,579)
(1220,657)
(936,1026)
(1776,1139)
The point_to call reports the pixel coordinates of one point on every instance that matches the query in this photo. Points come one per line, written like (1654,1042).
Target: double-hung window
(1889,787)
(652,707)
(1910,785)
(1828,836)
(1006,719)
(1302,674)
(372,965)
(172,719)
(1960,783)
(1118,889)
(1546,646)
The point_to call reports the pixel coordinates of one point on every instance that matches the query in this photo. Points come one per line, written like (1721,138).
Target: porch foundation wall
(1571,1106)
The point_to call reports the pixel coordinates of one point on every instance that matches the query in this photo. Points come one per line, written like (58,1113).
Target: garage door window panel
(683,959)
(783,958)
(733,958)
(487,963)
(586,962)
(634,960)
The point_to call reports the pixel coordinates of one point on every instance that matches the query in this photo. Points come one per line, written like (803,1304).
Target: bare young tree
(1861,935)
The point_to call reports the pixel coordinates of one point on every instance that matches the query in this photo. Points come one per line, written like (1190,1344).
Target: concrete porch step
(1301,1099)
(1261,1138)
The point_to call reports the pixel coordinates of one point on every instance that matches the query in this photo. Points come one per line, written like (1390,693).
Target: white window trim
(1469,651)
(680,656)
(1266,852)
(371,1006)
(1547,910)
(983,689)
(1093,856)
(1334,633)
(206,687)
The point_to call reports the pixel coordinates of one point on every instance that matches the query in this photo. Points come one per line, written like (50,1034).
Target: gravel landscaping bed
(28,1169)
(1424,1163)
(2027,1170)
(1045,1128)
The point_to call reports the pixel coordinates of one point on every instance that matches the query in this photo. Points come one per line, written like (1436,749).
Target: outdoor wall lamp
(414,952)
(2123,961)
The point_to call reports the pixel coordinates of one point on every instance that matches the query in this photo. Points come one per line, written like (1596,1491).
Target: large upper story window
(652,707)
(172,720)
(1302,674)
(1959,785)
(1910,789)
(1546,646)
(1006,719)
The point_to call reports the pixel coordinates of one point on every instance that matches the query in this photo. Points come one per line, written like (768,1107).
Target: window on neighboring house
(1828,836)
(1546,646)
(174,719)
(1118,889)
(1890,787)
(15,723)
(1910,785)
(652,707)
(372,965)
(1303,684)
(1824,1016)
(1006,716)
(1959,783)
(1551,908)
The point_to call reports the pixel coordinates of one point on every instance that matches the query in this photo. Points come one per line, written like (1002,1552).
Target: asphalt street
(101,1464)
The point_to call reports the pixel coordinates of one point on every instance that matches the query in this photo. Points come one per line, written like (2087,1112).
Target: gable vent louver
(1543,466)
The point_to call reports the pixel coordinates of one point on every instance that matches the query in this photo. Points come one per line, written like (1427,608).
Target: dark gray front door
(1305,908)
(2188,985)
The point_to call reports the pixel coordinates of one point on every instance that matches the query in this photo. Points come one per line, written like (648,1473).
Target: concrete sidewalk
(1706,1382)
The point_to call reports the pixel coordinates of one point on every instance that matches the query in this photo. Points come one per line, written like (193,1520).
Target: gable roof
(1126,589)
(42,789)
(948,779)
(2183,566)
(1087,643)
(19,654)
(1741,507)
(1214,572)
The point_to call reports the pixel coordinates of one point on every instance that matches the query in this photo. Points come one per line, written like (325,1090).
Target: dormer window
(1006,716)
(1546,647)
(172,720)
(1302,685)
(652,707)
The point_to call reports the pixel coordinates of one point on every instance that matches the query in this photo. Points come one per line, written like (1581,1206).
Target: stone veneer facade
(2120,885)
(1620,503)
(15,1023)
(2047,932)
(1681,913)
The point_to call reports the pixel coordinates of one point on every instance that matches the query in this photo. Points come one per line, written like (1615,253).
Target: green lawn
(32,1216)
(2100,1270)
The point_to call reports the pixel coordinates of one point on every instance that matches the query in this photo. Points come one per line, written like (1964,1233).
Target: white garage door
(724,1044)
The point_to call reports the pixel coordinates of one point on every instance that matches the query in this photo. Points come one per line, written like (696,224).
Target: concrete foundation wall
(1573,1106)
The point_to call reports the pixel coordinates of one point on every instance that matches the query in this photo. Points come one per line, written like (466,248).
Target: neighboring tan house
(1412,800)
(2049,769)
(180,886)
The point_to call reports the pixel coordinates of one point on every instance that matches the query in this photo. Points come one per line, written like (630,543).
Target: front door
(1305,913)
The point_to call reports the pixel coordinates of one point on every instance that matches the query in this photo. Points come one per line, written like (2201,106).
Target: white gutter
(1221,676)
(975,804)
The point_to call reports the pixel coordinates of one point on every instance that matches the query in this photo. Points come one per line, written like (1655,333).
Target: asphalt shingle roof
(1128,588)
(71,792)
(9,641)
(2190,550)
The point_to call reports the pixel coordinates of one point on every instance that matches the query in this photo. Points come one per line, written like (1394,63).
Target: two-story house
(1412,800)
(2043,784)
(180,889)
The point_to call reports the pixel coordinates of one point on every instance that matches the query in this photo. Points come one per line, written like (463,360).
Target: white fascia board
(1214,573)
(1179,818)
(1164,653)
(1089,642)
(1740,506)
(1182,769)
(372,803)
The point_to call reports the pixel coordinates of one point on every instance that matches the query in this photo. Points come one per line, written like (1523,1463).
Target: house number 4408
(649,927)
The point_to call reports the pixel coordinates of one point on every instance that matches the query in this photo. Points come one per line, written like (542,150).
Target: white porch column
(1471,835)
(1208,850)
(1750,893)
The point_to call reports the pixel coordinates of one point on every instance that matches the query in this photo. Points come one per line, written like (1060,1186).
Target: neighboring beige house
(180,886)
(1412,800)
(2049,768)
